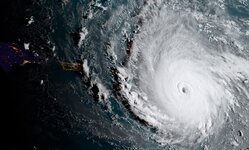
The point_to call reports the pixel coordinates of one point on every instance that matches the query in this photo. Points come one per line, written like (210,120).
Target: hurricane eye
(183,88)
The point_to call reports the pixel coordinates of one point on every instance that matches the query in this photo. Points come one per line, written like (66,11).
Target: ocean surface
(156,74)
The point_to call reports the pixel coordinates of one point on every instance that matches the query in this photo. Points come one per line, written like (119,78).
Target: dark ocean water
(46,107)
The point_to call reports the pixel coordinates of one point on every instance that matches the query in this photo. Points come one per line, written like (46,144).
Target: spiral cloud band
(181,81)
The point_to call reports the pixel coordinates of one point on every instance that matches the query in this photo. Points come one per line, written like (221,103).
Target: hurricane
(187,71)
(125,74)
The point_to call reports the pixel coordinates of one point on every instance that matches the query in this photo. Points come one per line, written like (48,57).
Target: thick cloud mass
(181,81)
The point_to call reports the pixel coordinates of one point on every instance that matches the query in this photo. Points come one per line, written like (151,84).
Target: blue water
(101,31)
(76,119)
